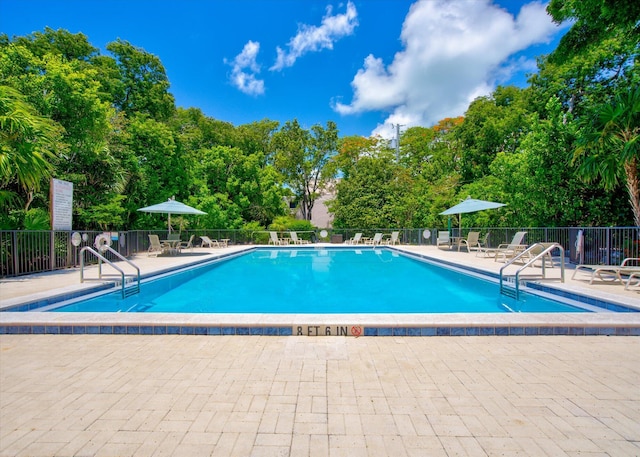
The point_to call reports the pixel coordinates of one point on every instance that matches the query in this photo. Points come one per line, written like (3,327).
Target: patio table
(173,245)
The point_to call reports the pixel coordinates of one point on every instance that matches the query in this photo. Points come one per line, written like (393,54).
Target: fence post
(52,251)
(69,251)
(608,245)
(14,248)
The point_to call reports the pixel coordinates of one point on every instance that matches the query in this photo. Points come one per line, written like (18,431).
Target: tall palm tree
(610,148)
(26,143)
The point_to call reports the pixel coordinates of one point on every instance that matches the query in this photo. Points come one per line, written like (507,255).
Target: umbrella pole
(169,222)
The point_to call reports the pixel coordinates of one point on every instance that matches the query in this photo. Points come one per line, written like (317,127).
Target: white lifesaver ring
(101,241)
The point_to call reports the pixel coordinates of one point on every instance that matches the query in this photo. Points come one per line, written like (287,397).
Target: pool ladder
(510,284)
(129,283)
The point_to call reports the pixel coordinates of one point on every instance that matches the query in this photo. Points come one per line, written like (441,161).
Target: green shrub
(285,223)
(253,232)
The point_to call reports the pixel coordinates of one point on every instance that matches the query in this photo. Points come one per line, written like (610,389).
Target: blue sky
(365,64)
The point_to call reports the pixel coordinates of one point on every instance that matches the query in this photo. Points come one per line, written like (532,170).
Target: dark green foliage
(557,152)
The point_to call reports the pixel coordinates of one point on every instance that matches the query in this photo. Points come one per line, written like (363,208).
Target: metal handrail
(101,259)
(546,249)
(121,257)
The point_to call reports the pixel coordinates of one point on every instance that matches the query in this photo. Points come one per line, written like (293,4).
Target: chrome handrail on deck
(546,249)
(102,258)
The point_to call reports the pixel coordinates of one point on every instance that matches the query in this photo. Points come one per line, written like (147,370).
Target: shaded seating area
(629,266)
(171,243)
(471,242)
(186,244)
(155,246)
(483,245)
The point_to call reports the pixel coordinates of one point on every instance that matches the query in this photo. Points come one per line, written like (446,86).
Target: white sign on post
(61,203)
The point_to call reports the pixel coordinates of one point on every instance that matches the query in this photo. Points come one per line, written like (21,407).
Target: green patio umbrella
(170,207)
(470,205)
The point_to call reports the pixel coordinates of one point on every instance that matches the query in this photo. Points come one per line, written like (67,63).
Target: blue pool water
(318,281)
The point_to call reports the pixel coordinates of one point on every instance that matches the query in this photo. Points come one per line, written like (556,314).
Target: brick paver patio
(107,395)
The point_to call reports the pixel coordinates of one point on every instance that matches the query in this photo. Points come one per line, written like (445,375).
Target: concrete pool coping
(34,288)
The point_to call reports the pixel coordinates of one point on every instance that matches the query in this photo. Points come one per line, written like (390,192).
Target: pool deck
(178,395)
(35,287)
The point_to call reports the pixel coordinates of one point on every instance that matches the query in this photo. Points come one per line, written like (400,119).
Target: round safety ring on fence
(101,242)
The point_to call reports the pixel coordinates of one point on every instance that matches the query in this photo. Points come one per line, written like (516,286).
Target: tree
(492,124)
(162,171)
(28,143)
(146,86)
(361,198)
(302,158)
(432,152)
(254,189)
(256,136)
(61,42)
(597,56)
(609,147)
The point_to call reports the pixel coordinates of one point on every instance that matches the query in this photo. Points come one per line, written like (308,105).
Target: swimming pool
(319,281)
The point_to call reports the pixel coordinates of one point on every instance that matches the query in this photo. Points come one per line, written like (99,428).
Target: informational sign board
(61,202)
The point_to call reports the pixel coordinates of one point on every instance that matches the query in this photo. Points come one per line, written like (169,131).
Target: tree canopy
(561,151)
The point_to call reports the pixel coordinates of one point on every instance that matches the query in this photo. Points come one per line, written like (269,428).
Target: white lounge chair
(355,240)
(483,245)
(393,238)
(186,245)
(155,246)
(538,248)
(629,266)
(471,241)
(377,238)
(630,279)
(296,240)
(206,241)
(273,239)
(443,238)
(173,237)
(508,251)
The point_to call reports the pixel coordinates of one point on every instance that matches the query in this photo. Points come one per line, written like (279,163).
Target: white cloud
(245,68)
(454,51)
(312,39)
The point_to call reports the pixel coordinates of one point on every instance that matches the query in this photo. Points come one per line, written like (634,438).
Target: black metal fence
(24,252)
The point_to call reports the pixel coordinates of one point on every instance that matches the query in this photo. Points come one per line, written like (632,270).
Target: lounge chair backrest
(377,237)
(356,238)
(154,240)
(294,236)
(443,236)
(517,239)
(472,238)
(394,237)
(274,237)
(206,241)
